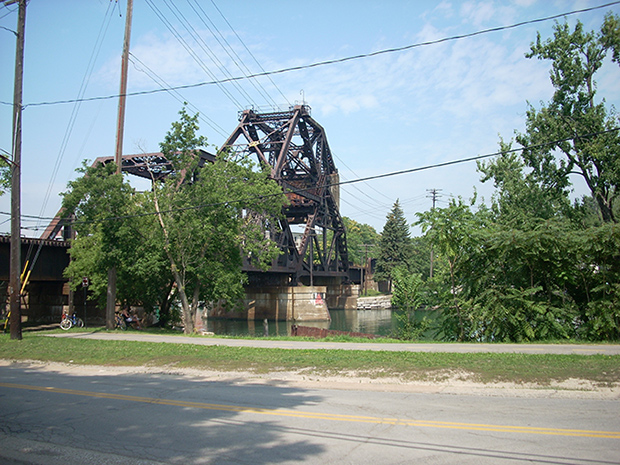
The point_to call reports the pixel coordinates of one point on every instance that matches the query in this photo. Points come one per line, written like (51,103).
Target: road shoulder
(458,384)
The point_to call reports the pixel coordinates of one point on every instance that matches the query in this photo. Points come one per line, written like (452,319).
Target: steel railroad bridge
(311,234)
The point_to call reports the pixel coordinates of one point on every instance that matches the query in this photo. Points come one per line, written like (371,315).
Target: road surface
(94,415)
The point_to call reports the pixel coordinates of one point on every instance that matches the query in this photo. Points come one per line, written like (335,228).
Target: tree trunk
(456,303)
(188,321)
(111,299)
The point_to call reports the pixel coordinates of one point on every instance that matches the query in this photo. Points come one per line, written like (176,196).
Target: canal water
(379,322)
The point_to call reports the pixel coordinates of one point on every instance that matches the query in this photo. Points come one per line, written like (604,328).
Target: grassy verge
(519,368)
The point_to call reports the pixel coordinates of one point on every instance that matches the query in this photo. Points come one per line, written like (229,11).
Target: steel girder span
(295,148)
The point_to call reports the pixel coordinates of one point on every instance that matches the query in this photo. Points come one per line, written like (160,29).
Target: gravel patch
(454,385)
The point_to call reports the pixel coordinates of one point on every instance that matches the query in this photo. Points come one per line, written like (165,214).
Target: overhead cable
(141,66)
(246,49)
(192,53)
(370,178)
(326,62)
(207,50)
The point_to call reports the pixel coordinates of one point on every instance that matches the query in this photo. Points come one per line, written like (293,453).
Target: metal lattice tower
(295,148)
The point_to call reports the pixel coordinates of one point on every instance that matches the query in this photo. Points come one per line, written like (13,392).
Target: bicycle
(119,321)
(68,322)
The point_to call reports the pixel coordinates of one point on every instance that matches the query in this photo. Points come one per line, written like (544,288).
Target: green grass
(519,368)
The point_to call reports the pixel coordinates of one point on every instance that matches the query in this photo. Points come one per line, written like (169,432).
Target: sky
(395,111)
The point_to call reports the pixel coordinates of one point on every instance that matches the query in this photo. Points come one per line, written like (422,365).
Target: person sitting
(130,320)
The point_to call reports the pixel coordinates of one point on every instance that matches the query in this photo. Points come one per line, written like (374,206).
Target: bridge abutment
(292,303)
(280,303)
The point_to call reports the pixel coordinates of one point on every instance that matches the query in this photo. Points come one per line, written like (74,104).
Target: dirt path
(456,385)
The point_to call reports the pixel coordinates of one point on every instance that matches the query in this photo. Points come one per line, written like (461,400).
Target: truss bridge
(312,269)
(312,236)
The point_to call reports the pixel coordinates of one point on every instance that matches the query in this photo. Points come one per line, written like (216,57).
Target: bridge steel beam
(295,148)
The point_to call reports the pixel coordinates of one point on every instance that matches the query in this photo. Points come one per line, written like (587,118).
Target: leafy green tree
(521,200)
(395,248)
(407,297)
(525,292)
(101,204)
(211,217)
(99,198)
(5,176)
(574,124)
(421,256)
(533,266)
(362,240)
(600,278)
(451,230)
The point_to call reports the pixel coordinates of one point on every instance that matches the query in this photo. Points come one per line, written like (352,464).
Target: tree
(521,200)
(406,299)
(5,176)
(451,231)
(575,133)
(211,217)
(101,205)
(600,317)
(362,240)
(421,257)
(395,247)
(533,266)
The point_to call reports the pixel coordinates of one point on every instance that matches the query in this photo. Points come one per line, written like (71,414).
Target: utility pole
(367,268)
(120,128)
(16,244)
(434,193)
(118,155)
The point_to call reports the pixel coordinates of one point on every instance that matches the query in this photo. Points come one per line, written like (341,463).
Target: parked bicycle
(119,321)
(68,322)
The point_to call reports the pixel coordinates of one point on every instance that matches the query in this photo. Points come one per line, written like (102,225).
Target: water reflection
(379,322)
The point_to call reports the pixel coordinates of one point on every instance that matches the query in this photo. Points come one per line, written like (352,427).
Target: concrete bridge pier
(293,303)
(342,295)
(280,303)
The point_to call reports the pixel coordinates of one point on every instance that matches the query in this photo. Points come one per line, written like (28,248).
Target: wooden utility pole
(118,155)
(15,253)
(434,193)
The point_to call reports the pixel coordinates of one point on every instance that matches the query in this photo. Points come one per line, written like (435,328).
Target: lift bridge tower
(311,273)
(311,235)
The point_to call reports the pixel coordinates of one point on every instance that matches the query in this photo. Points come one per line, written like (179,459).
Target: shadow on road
(199,430)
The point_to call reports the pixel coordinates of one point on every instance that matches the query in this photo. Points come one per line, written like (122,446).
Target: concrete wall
(343,296)
(284,303)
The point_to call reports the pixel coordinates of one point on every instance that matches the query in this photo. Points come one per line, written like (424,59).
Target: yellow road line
(325,416)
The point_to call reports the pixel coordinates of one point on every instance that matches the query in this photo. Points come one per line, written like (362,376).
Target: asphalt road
(581,349)
(98,416)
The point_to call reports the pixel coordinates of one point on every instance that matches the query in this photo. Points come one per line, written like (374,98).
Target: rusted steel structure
(295,148)
(145,165)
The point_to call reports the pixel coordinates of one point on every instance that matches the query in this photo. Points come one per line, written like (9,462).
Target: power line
(177,95)
(379,176)
(76,108)
(478,157)
(219,82)
(247,49)
(192,53)
(206,49)
(230,51)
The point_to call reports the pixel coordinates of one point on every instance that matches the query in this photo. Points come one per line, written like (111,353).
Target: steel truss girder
(294,146)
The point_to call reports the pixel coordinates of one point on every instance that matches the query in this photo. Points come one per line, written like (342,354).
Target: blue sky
(391,112)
